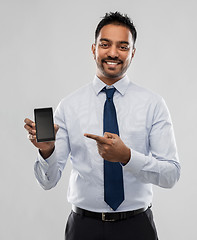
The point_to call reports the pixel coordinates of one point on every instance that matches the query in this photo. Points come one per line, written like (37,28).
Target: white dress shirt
(145,127)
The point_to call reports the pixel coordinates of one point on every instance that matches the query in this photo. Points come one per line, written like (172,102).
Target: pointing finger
(97,138)
(92,136)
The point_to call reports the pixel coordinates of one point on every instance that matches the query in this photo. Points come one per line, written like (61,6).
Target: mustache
(116,59)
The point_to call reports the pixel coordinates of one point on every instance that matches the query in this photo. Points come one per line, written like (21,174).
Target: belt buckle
(106,220)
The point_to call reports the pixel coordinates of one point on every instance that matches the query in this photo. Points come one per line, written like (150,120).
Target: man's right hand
(46,148)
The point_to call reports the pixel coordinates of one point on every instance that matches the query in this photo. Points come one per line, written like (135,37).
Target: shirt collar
(121,85)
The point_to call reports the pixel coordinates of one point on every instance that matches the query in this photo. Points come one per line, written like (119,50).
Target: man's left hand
(111,147)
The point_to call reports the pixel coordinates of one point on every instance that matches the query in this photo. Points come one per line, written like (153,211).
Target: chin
(113,75)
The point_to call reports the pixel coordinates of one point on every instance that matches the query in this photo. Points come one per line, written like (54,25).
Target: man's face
(113,52)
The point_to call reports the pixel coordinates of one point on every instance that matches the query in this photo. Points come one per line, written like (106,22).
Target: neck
(109,81)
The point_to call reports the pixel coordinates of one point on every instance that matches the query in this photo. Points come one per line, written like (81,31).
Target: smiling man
(120,140)
(113,51)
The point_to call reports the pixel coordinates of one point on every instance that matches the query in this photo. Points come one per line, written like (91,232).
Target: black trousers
(138,227)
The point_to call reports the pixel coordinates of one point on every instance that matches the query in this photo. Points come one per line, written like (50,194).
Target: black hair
(118,19)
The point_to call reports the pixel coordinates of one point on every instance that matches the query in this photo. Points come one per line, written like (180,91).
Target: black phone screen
(44,124)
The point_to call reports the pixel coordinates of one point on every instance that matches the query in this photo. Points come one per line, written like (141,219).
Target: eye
(104,45)
(124,48)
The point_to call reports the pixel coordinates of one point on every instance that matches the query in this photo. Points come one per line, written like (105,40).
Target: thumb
(56,128)
(110,135)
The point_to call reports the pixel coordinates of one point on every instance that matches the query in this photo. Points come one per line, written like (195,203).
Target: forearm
(158,163)
(47,171)
(148,169)
(50,164)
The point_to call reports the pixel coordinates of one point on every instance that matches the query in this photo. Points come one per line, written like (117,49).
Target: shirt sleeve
(48,171)
(161,167)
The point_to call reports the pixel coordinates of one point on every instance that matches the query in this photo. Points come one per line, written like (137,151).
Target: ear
(133,52)
(94,50)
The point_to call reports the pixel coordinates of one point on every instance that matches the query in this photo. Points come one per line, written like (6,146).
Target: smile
(112,63)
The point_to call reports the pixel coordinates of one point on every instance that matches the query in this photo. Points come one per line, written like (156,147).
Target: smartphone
(44,124)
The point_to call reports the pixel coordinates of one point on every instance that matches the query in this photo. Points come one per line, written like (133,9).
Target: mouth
(112,63)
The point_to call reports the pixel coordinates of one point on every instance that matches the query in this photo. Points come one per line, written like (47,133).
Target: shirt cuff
(136,162)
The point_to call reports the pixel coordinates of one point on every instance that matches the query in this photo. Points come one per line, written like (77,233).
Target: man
(120,140)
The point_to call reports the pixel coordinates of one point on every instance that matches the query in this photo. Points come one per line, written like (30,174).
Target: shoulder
(75,100)
(145,98)
(143,94)
(78,94)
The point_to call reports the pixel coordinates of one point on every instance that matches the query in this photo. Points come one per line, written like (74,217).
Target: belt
(107,216)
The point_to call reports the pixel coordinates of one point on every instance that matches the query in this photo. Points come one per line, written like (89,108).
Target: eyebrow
(107,40)
(124,42)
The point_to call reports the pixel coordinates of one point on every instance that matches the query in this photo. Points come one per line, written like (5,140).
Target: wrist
(46,153)
(127,156)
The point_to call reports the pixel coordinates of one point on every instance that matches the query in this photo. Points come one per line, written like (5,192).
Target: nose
(113,52)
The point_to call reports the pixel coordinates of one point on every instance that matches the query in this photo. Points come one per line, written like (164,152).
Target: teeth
(112,63)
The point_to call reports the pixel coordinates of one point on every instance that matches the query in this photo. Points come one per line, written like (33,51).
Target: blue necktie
(113,176)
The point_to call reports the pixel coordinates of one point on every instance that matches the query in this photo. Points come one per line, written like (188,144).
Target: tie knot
(109,92)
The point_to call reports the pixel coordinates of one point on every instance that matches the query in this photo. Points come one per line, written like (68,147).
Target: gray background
(44,55)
